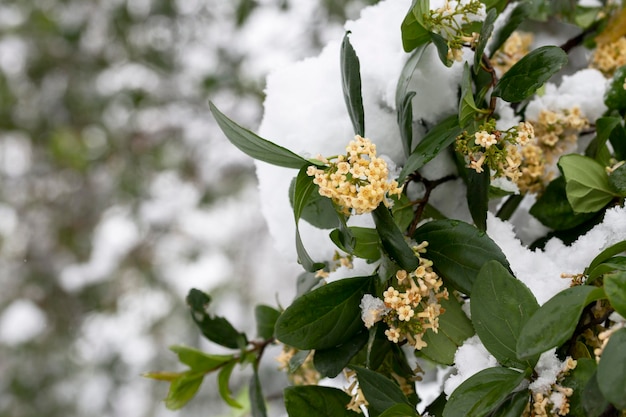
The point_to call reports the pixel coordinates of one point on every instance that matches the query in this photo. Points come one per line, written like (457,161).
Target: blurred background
(118,193)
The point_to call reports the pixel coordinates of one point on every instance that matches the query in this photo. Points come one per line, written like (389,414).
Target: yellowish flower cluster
(514,48)
(610,56)
(557,130)
(306,374)
(603,338)
(413,307)
(555,402)
(357,181)
(511,153)
(354,390)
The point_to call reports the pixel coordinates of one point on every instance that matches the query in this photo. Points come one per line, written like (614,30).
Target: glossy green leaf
(586,183)
(517,16)
(303,189)
(312,400)
(317,210)
(616,263)
(482,393)
(618,141)
(378,346)
(405,122)
(200,361)
(183,389)
(435,141)
(513,406)
(351,82)
(458,251)
(266,317)
(615,289)
(606,254)
(617,180)
(257,401)
(400,410)
(216,329)
(442,48)
(612,370)
(556,320)
(530,73)
(223,378)
(478,196)
(454,328)
(402,88)
(485,34)
(414,32)
(330,362)
(380,392)
(500,306)
(254,145)
(577,379)
(402,211)
(615,97)
(325,317)
(593,401)
(554,211)
(366,246)
(467,105)
(393,240)
(604,127)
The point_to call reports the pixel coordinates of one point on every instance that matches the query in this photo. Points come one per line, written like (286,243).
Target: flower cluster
(514,48)
(356,181)
(305,374)
(450,21)
(410,308)
(557,130)
(555,400)
(609,56)
(511,154)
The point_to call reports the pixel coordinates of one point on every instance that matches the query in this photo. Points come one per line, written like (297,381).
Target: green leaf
(478,196)
(586,183)
(317,210)
(518,15)
(482,393)
(216,329)
(223,379)
(414,33)
(405,122)
(454,328)
(325,317)
(199,361)
(393,240)
(615,289)
(618,141)
(407,75)
(513,406)
(266,317)
(467,105)
(530,73)
(378,346)
(554,211)
(183,389)
(402,211)
(612,370)
(606,254)
(442,48)
(257,402)
(436,140)
(555,321)
(501,305)
(615,97)
(485,35)
(604,127)
(400,410)
(380,392)
(330,362)
(617,180)
(303,189)
(435,408)
(577,379)
(593,401)
(458,251)
(255,146)
(312,400)
(351,82)
(367,242)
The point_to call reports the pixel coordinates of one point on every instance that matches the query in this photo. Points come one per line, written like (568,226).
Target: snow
(469,359)
(21,322)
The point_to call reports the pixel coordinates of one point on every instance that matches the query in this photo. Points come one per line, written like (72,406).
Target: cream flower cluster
(411,307)
(514,48)
(555,130)
(357,181)
(555,401)
(610,56)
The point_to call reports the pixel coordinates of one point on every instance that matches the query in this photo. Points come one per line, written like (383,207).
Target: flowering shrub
(481,227)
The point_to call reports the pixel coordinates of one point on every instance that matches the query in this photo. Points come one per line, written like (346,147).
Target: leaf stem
(421,203)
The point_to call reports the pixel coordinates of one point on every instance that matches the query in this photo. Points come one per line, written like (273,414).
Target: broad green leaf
(312,400)
(482,393)
(478,196)
(513,406)
(367,242)
(436,140)
(616,263)
(458,251)
(266,317)
(400,410)
(500,306)
(615,289)
(402,88)
(378,346)
(330,362)
(325,317)
(617,180)
(254,145)
(606,254)
(442,48)
(402,211)
(318,210)
(554,211)
(303,189)
(518,15)
(556,320)
(414,33)
(593,401)
(615,97)
(183,389)
(199,361)
(393,240)
(454,328)
(380,392)
(586,183)
(604,127)
(467,105)
(351,82)
(405,122)
(485,35)
(257,402)
(530,73)
(618,141)
(223,378)
(577,379)
(612,370)
(216,329)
